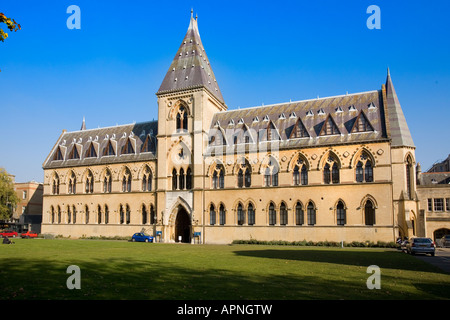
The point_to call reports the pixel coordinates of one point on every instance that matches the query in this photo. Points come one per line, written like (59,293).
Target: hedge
(360,244)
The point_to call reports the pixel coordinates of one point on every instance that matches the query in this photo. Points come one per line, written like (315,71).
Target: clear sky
(262,52)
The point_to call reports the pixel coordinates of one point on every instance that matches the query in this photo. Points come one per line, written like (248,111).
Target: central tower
(188,98)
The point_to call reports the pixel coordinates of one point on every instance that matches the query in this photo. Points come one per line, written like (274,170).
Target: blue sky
(261,52)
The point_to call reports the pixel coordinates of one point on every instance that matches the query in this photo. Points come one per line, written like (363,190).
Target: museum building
(338,168)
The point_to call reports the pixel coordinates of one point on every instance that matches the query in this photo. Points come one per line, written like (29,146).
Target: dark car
(445,241)
(421,245)
(141,237)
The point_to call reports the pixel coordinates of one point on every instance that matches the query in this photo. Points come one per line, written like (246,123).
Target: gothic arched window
(341,216)
(331,170)
(251,215)
(182,119)
(240,215)
(369,213)
(364,169)
(311,212)
(89,187)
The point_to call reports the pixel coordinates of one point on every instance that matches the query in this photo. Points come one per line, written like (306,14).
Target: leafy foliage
(8,197)
(12,26)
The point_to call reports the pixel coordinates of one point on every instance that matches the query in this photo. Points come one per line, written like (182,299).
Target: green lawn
(36,269)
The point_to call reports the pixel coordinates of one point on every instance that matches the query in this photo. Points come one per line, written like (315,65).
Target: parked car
(445,241)
(29,234)
(141,237)
(8,233)
(421,245)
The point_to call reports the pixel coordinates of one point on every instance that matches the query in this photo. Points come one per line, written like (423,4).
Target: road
(440,260)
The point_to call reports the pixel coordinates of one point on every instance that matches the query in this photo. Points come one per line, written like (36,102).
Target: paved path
(440,260)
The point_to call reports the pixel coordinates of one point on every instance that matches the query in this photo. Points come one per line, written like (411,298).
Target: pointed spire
(190,67)
(399,131)
(83,125)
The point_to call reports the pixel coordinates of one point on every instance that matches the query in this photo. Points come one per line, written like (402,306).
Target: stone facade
(338,168)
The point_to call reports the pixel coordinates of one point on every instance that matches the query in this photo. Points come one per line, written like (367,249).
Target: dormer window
(91,153)
(128,148)
(109,149)
(74,153)
(149,144)
(58,155)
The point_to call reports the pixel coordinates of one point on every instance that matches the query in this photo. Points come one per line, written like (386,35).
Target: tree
(8,197)
(12,26)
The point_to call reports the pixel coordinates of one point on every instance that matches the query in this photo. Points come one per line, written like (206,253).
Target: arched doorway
(439,233)
(183,226)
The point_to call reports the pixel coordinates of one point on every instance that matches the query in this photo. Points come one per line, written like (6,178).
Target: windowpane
(275,179)
(128,215)
(299,216)
(311,214)
(144,183)
(240,215)
(359,172)
(438,204)
(212,216)
(248,178)
(267,177)
(304,176)
(181,179)
(189,179)
(272,215)
(144,215)
(152,215)
(86,212)
(240,179)
(251,215)
(296,176)
(368,172)
(369,213)
(326,174)
(340,214)
(335,173)
(283,215)
(222,215)
(106,214)
(221,179)
(214,180)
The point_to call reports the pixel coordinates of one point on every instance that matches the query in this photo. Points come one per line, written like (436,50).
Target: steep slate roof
(433,178)
(136,133)
(190,67)
(341,111)
(399,131)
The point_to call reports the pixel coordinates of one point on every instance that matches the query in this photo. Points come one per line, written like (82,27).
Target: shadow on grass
(137,279)
(392,259)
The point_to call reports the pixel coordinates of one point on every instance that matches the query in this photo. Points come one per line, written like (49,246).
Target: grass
(36,269)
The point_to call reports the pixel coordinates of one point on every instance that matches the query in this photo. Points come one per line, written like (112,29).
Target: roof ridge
(300,101)
(108,127)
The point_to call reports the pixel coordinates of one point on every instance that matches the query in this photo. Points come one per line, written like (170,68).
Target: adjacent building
(433,190)
(339,168)
(28,211)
